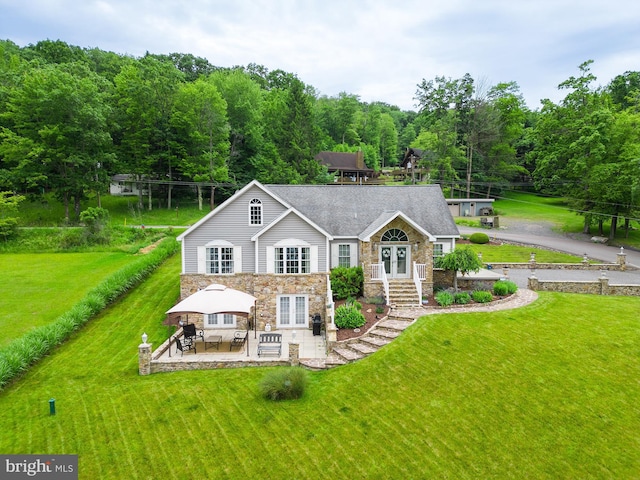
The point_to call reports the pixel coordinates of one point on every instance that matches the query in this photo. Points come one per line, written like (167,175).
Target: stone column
(294,354)
(144,359)
(622,259)
(533,283)
(604,284)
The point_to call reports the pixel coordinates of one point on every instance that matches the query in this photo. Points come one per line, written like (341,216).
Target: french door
(292,311)
(396,259)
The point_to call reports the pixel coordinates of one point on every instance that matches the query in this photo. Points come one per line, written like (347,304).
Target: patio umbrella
(217,298)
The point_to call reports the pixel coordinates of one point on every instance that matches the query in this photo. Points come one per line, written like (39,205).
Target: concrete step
(375,341)
(394,324)
(381,332)
(333,360)
(363,348)
(348,354)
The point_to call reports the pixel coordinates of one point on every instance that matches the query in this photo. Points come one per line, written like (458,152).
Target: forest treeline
(71,117)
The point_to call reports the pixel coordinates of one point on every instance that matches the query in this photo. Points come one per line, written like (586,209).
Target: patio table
(213,340)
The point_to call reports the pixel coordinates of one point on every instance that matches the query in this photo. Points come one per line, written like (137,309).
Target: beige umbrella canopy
(216,298)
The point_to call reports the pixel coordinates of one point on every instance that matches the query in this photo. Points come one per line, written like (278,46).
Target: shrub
(504,287)
(461,298)
(444,298)
(348,316)
(511,287)
(479,237)
(352,302)
(284,383)
(482,296)
(379,309)
(347,282)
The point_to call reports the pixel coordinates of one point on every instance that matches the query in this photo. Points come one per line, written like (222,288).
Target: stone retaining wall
(620,265)
(594,287)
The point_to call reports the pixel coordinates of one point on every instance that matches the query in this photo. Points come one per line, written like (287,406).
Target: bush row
(23,352)
(500,288)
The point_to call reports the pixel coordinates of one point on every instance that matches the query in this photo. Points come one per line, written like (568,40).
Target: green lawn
(122,211)
(545,391)
(37,288)
(517,253)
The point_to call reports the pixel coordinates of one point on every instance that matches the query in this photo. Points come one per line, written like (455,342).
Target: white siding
(292,227)
(231,224)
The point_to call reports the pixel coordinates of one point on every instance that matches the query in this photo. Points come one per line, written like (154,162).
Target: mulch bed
(370,315)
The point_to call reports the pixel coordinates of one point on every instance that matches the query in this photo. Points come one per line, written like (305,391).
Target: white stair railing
(419,274)
(378,273)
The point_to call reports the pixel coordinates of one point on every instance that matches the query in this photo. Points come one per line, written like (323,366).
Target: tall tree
(145,94)
(201,121)
(572,140)
(57,135)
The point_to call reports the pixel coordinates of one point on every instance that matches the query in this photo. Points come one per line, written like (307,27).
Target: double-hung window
(344,255)
(219,257)
(292,260)
(219,260)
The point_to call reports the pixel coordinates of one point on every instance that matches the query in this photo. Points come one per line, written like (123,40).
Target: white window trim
(202,256)
(353,250)
(292,243)
(252,203)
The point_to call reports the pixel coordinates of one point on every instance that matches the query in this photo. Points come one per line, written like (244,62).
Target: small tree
(9,214)
(463,260)
(96,222)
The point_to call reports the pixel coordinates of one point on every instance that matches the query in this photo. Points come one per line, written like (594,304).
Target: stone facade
(421,253)
(265,287)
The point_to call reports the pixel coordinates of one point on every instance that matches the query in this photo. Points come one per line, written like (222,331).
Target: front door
(396,260)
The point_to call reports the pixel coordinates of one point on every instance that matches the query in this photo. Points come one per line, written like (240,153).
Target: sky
(379,50)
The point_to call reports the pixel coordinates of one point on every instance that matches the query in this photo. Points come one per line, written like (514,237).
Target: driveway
(541,234)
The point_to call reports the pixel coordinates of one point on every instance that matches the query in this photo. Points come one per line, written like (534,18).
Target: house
(349,167)
(470,207)
(411,165)
(279,243)
(125,185)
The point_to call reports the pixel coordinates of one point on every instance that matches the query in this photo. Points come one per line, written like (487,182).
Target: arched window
(394,235)
(255,212)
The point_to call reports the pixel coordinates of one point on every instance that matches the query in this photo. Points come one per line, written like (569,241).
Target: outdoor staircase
(403,294)
(354,349)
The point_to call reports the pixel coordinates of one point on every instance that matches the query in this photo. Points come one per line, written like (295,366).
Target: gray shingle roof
(349,210)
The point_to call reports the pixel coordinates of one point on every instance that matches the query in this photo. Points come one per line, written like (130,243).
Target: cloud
(377,49)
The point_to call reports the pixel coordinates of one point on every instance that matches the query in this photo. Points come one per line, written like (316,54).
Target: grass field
(517,253)
(122,211)
(546,391)
(37,288)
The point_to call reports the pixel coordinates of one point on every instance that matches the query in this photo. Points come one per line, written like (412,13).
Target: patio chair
(238,340)
(186,345)
(191,333)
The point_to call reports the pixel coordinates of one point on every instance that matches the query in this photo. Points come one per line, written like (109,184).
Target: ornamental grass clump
(284,384)
(482,296)
(444,298)
(349,315)
(461,298)
(504,287)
